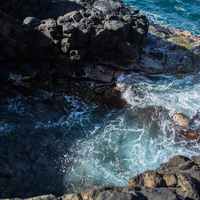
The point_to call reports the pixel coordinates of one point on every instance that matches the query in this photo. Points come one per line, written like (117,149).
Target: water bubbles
(107,147)
(138,138)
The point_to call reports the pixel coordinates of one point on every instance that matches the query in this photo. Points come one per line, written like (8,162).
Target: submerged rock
(181,120)
(111,97)
(191,134)
(186,127)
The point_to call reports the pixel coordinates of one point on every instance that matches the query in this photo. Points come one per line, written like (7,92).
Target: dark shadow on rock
(30,160)
(170,51)
(59,8)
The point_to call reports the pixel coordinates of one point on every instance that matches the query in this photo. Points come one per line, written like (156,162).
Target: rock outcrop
(82,50)
(91,41)
(181,175)
(104,29)
(178,179)
(73,50)
(186,127)
(170,51)
(84,35)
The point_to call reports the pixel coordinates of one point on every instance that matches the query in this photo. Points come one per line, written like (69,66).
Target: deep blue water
(109,147)
(183,14)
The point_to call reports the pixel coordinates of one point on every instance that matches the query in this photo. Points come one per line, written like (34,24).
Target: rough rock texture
(79,46)
(169,50)
(83,38)
(85,44)
(104,29)
(180,175)
(17,43)
(178,179)
(101,30)
(186,127)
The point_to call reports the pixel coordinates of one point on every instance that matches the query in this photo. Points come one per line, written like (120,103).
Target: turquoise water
(127,142)
(183,14)
(103,146)
(107,147)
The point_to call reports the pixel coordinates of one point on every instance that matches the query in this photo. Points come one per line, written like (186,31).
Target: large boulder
(179,175)
(102,30)
(84,30)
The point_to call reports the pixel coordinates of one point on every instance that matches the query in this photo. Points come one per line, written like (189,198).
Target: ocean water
(183,14)
(103,146)
(129,141)
(107,147)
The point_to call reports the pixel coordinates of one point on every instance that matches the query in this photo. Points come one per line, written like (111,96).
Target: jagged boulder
(180,175)
(102,30)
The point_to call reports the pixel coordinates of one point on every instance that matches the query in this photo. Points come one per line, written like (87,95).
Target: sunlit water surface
(183,14)
(140,137)
(107,147)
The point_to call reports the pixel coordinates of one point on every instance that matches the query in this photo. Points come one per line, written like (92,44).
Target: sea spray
(138,138)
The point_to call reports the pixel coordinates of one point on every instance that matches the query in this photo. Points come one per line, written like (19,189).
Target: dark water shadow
(35,147)
(38,8)
(30,161)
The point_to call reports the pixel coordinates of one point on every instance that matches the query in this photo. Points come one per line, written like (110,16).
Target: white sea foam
(109,147)
(127,142)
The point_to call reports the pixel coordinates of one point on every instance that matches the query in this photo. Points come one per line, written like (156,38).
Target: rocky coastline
(80,48)
(177,179)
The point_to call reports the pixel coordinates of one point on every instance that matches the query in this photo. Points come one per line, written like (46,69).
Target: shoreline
(179,178)
(91,75)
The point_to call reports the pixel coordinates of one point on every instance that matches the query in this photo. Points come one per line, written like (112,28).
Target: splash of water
(138,138)
(109,147)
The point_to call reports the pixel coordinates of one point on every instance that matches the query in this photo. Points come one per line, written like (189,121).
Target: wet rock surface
(186,127)
(81,47)
(175,176)
(91,41)
(84,34)
(171,181)
(170,50)
(101,28)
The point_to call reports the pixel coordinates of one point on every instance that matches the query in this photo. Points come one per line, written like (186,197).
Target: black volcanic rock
(41,48)
(177,184)
(88,31)
(103,30)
